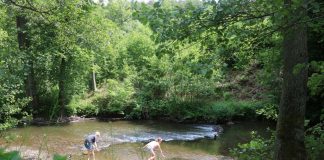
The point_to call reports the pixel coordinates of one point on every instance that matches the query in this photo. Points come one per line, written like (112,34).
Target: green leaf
(59,157)
(298,68)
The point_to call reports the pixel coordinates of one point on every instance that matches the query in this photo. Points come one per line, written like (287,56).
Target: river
(123,140)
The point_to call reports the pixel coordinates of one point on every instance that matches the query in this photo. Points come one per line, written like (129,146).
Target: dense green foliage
(9,155)
(260,148)
(14,155)
(206,61)
(139,72)
(155,61)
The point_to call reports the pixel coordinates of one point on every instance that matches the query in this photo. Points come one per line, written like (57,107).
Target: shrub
(135,113)
(269,111)
(113,98)
(262,149)
(314,141)
(12,107)
(179,110)
(14,155)
(257,149)
(227,96)
(59,157)
(120,95)
(82,107)
(186,110)
(229,110)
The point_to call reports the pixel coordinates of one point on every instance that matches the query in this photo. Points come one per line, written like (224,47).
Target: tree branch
(30,6)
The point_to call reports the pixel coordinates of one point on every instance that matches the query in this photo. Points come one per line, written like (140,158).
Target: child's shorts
(88,145)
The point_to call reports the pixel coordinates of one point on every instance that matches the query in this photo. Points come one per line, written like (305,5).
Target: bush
(262,149)
(186,111)
(314,141)
(179,110)
(87,110)
(194,111)
(110,100)
(175,109)
(82,107)
(12,105)
(120,95)
(48,102)
(14,155)
(59,157)
(257,149)
(135,112)
(229,110)
(269,111)
(227,96)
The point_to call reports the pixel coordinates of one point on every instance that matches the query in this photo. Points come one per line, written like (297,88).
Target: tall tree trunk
(93,84)
(61,96)
(24,44)
(290,126)
(23,41)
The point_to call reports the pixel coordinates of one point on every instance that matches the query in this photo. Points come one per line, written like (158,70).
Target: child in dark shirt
(91,144)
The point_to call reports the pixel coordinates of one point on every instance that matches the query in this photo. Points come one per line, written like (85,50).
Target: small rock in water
(218,130)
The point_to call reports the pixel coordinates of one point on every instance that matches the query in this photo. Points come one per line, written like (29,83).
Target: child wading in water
(152,146)
(91,144)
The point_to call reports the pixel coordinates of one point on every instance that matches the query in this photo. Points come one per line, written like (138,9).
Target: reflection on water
(124,139)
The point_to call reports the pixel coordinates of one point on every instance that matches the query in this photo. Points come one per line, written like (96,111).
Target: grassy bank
(98,105)
(232,110)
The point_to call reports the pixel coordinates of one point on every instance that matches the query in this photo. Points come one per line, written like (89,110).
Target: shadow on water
(125,139)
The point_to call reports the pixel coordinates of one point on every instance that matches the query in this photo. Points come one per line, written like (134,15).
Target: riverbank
(65,120)
(220,112)
(75,119)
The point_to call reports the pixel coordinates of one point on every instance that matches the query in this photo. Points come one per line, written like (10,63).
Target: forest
(175,61)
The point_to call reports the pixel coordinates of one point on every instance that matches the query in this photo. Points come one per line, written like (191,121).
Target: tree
(290,124)
(24,44)
(13,99)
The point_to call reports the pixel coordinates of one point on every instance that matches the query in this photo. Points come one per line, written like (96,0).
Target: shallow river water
(123,140)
